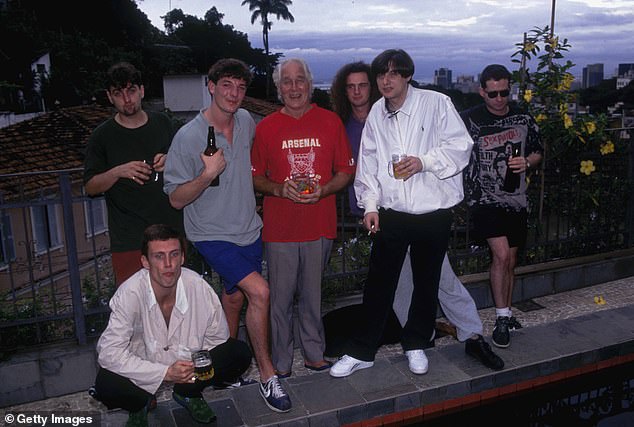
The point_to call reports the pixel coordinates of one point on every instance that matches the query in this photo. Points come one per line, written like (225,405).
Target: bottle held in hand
(211,150)
(512,179)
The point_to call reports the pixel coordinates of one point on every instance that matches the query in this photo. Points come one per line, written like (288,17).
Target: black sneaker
(481,350)
(274,395)
(514,324)
(501,336)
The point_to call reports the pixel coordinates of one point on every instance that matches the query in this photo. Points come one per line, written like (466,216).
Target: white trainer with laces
(418,362)
(347,365)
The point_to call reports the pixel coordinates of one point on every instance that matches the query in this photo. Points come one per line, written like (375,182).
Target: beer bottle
(210,150)
(512,179)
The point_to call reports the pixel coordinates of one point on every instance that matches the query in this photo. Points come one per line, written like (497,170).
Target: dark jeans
(427,235)
(230,359)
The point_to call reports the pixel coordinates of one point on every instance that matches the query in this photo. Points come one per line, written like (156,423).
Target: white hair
(277,75)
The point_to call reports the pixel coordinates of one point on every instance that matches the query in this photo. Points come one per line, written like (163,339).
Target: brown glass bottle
(210,150)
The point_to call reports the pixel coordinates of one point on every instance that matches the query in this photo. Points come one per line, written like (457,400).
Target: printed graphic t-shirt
(315,144)
(487,179)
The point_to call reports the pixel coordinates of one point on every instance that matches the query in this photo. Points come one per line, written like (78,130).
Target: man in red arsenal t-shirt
(301,158)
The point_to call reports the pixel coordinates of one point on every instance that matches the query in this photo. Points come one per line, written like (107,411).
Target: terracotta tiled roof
(56,141)
(52,141)
(259,106)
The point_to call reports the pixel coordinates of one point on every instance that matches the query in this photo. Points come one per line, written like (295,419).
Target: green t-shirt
(131,206)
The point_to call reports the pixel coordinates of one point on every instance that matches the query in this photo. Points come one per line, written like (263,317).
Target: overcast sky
(462,35)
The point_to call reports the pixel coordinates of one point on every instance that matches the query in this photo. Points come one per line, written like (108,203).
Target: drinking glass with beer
(203,368)
(391,167)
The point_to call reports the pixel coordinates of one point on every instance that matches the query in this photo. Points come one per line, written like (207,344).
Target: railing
(56,277)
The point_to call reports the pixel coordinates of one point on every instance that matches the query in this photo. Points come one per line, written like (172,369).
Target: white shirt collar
(181,303)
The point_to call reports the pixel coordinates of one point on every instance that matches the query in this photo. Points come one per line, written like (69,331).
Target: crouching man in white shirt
(159,317)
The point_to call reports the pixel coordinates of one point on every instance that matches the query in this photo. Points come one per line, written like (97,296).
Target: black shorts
(492,221)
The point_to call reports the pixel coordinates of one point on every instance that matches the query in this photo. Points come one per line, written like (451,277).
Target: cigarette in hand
(371,230)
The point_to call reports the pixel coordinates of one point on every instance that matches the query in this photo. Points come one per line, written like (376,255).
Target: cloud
(453,23)
(387,10)
(608,4)
(463,35)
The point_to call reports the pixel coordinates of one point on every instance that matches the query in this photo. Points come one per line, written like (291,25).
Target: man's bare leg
(499,272)
(511,273)
(256,290)
(232,305)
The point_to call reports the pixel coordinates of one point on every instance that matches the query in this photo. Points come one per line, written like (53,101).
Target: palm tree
(262,9)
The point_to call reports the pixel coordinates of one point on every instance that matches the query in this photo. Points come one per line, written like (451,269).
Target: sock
(503,312)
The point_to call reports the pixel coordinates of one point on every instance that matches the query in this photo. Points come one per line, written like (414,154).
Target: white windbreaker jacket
(426,126)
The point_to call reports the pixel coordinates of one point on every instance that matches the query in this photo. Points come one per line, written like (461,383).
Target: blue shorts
(232,262)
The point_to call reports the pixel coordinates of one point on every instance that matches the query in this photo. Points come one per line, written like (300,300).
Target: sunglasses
(494,93)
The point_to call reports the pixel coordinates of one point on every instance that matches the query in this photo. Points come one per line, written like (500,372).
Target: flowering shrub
(583,178)
(546,93)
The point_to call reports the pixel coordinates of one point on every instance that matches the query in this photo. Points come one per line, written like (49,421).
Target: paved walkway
(557,328)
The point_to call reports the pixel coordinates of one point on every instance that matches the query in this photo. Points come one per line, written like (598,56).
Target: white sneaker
(347,365)
(418,362)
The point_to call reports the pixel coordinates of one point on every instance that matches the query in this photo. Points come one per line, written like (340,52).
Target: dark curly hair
(122,74)
(232,68)
(339,98)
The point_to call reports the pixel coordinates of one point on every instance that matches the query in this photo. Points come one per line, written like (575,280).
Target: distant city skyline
(464,37)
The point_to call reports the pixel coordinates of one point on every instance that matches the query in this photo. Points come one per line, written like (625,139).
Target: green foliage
(82,46)
(347,267)
(25,333)
(321,98)
(582,154)
(546,93)
(261,9)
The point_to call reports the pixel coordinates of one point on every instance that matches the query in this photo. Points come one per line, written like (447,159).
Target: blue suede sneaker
(274,395)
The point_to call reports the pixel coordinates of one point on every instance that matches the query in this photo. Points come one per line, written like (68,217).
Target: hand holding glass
(305,184)
(203,368)
(391,167)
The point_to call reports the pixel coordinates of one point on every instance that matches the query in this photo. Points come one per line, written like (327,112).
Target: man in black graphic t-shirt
(506,146)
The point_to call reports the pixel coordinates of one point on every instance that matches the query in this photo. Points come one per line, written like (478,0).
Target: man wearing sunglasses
(500,130)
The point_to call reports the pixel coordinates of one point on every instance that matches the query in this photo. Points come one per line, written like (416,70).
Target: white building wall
(186,92)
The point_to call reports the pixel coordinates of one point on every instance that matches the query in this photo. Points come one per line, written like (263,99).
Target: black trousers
(230,359)
(427,235)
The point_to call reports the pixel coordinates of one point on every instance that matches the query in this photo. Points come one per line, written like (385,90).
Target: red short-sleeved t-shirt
(315,144)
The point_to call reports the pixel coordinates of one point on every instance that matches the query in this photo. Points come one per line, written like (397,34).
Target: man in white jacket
(354,91)
(406,203)
(159,317)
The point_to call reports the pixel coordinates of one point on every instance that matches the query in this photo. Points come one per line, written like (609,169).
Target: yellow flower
(566,82)
(554,42)
(567,121)
(563,108)
(540,117)
(528,95)
(607,148)
(590,127)
(587,167)
(529,46)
